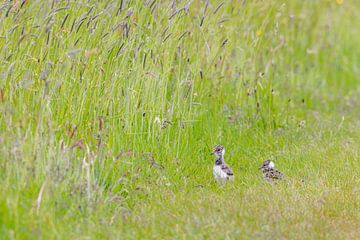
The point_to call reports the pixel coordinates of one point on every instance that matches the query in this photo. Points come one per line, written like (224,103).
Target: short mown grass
(109,110)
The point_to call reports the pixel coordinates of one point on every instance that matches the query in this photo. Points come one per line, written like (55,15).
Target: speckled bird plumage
(222,172)
(270,174)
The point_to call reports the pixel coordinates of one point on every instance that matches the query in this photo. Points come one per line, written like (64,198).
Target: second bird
(270,174)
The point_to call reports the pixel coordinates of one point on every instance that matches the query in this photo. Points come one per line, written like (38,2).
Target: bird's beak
(211,153)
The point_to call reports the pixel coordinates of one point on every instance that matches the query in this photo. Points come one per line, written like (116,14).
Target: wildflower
(302,124)
(89,53)
(274,92)
(157,120)
(165,123)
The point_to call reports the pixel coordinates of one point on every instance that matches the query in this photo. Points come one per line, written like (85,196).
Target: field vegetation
(109,111)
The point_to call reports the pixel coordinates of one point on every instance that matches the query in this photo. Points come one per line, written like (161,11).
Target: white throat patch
(223,152)
(271,164)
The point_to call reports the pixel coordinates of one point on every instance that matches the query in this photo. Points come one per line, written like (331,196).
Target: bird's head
(267,164)
(218,151)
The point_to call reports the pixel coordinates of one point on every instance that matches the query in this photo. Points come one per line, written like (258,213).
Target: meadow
(110,109)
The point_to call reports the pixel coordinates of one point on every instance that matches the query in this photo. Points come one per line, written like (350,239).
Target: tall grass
(109,111)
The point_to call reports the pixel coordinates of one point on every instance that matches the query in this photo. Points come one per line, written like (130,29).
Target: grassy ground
(109,112)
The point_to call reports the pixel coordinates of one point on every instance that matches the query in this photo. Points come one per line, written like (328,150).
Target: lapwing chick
(270,174)
(222,172)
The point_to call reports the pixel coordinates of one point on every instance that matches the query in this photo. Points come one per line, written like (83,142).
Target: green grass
(109,112)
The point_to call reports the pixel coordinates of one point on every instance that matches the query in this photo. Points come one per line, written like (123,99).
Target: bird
(270,174)
(222,172)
